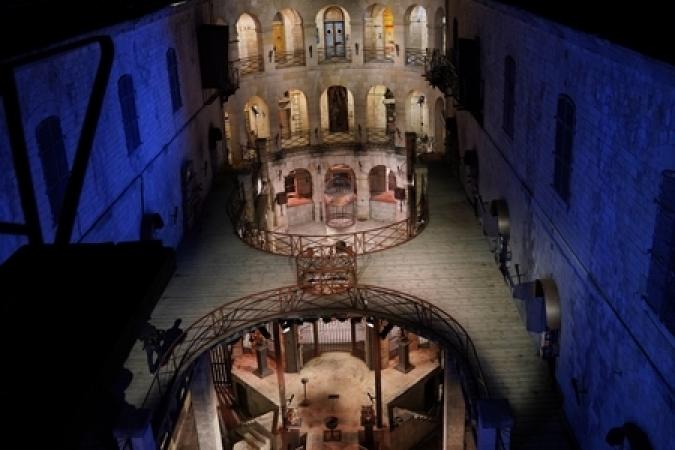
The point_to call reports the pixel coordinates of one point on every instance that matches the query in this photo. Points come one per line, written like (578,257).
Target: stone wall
(595,246)
(120,185)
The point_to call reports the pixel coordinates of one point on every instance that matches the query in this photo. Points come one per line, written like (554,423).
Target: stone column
(205,406)
(362,196)
(261,358)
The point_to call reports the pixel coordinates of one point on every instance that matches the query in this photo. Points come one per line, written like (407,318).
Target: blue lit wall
(597,247)
(120,185)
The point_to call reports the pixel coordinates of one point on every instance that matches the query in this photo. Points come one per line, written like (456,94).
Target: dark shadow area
(71,315)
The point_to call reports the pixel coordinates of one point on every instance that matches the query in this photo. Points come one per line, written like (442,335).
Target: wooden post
(280,373)
(378,373)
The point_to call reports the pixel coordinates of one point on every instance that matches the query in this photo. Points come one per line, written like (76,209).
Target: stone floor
(449,264)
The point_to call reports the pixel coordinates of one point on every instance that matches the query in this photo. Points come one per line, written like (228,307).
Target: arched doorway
(439,126)
(382,183)
(257,121)
(416,42)
(417,116)
(378,36)
(250,44)
(337,115)
(380,115)
(293,121)
(340,196)
(288,39)
(333,30)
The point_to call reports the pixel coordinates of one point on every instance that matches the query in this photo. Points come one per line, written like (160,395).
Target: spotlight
(370,321)
(385,331)
(285,326)
(266,334)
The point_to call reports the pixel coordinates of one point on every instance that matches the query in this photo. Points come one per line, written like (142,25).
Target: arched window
(54,163)
(416,36)
(174,80)
(380,114)
(127,97)
(293,120)
(509,94)
(334,32)
(287,39)
(250,45)
(564,137)
(378,37)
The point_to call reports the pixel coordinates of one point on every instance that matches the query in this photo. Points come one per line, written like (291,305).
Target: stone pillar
(293,361)
(362,196)
(454,409)
(205,405)
(404,355)
(261,358)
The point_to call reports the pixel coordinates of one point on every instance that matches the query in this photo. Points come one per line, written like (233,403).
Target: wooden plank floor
(449,264)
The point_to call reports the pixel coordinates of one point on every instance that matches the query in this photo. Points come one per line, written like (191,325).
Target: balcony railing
(297,138)
(415,56)
(330,55)
(289,59)
(337,137)
(379,136)
(251,64)
(378,55)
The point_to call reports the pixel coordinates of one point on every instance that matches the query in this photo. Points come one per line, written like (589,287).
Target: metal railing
(415,56)
(378,55)
(327,56)
(297,138)
(326,269)
(289,59)
(379,136)
(231,320)
(251,64)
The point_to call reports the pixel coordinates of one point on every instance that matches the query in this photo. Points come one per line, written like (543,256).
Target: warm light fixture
(285,326)
(370,321)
